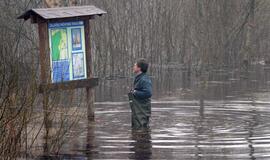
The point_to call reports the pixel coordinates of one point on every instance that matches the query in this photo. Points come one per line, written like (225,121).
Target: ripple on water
(218,130)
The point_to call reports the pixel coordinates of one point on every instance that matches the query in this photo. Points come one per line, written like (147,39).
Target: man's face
(136,69)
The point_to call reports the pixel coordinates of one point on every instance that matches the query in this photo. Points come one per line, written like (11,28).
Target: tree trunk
(59,3)
(248,42)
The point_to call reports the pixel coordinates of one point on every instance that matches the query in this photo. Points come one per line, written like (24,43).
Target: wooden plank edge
(69,85)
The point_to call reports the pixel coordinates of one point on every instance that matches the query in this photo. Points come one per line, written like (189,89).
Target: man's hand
(130,95)
(132,91)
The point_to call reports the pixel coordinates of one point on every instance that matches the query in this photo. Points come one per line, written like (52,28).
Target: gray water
(224,117)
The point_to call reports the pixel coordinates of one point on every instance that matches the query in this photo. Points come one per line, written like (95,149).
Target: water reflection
(251,125)
(90,151)
(225,116)
(141,146)
(199,128)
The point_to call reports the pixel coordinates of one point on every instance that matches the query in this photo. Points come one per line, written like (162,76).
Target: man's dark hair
(142,63)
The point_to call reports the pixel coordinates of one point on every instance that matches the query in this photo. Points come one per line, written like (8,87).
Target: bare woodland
(197,35)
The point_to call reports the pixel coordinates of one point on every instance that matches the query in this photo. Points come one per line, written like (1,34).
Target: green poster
(59,44)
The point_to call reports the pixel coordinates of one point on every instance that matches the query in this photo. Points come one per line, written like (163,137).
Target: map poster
(59,44)
(78,65)
(60,71)
(76,39)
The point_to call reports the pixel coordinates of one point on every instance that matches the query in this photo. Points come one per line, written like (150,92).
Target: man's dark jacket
(140,101)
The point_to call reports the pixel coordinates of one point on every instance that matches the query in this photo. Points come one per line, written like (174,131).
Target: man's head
(140,66)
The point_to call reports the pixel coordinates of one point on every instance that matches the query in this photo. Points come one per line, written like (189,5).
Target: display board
(67,51)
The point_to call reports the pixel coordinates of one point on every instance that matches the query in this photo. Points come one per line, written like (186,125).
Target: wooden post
(89,91)
(45,75)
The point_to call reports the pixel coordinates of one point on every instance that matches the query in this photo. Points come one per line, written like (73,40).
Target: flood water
(224,117)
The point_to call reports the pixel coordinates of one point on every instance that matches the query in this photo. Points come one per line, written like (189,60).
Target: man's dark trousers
(140,102)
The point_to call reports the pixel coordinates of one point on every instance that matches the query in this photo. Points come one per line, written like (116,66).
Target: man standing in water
(140,96)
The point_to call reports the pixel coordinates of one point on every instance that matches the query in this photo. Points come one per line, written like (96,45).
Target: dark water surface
(225,117)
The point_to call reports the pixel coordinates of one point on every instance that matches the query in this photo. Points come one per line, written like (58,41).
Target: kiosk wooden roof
(61,13)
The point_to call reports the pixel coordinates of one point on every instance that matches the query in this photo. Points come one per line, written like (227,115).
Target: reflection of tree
(251,124)
(199,128)
(90,144)
(142,145)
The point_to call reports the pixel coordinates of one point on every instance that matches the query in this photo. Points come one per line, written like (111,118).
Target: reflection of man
(141,145)
(139,97)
